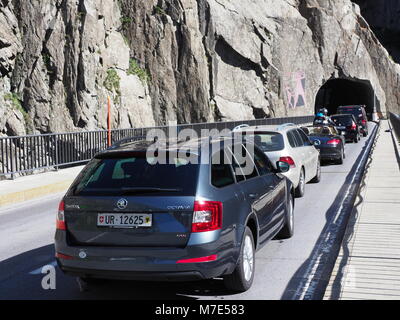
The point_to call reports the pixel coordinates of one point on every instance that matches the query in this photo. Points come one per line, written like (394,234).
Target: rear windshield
(356,111)
(317,131)
(136,176)
(268,141)
(342,120)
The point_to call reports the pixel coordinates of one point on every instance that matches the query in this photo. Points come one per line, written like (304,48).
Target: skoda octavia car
(130,216)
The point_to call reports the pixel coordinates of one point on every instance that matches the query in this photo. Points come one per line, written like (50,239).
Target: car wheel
(340,160)
(85,284)
(317,177)
(91,281)
(242,278)
(288,229)
(299,191)
(356,139)
(365,134)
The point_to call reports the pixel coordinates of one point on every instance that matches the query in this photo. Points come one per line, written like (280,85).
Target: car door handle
(253,195)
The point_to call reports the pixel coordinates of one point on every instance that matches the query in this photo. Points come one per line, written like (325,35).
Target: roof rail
(126,140)
(283,126)
(241,126)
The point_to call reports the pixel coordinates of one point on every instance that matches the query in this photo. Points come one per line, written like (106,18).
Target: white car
(288,143)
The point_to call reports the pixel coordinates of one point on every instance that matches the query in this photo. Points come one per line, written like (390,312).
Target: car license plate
(126,220)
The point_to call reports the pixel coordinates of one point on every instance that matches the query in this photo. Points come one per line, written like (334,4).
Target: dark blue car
(128,217)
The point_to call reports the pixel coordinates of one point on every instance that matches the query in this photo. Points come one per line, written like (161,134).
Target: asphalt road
(298,268)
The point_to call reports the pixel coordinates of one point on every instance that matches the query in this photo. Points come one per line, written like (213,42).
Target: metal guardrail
(395,121)
(27,154)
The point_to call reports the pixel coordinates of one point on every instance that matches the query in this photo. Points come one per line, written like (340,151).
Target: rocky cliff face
(384,19)
(182,60)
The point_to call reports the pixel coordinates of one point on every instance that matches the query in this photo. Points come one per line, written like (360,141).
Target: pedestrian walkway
(35,186)
(368,265)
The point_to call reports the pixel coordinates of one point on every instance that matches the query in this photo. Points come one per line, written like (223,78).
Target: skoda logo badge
(122,203)
(82,254)
(317,142)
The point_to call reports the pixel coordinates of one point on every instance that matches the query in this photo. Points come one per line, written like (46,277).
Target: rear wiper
(148,189)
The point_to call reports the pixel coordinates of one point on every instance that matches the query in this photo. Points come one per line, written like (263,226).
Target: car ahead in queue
(328,141)
(128,216)
(358,111)
(346,124)
(288,143)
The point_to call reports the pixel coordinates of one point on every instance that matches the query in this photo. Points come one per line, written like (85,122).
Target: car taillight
(289,161)
(353,126)
(333,141)
(63,256)
(60,222)
(201,259)
(364,121)
(207,216)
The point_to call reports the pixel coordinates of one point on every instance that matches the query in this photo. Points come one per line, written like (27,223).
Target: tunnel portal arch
(344,92)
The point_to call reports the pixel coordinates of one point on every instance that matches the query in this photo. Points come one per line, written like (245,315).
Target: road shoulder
(36,186)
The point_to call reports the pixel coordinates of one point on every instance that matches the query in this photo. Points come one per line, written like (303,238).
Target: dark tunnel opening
(344,92)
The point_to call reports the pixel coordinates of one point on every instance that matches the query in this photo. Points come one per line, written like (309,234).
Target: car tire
(300,190)
(91,281)
(288,229)
(365,134)
(242,277)
(340,160)
(317,177)
(356,139)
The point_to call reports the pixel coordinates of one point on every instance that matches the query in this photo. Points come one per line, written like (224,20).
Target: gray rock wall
(179,60)
(384,19)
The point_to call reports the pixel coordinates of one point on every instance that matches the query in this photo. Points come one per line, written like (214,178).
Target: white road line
(39,270)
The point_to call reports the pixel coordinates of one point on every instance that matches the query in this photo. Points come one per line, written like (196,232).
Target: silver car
(288,143)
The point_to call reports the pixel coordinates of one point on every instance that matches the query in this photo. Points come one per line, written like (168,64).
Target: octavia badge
(122,203)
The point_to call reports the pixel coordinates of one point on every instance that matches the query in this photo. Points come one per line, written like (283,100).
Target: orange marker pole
(109,121)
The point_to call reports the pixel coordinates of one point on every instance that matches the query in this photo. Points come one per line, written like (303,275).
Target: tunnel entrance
(343,92)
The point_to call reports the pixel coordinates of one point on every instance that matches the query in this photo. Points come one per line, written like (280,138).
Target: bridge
(346,227)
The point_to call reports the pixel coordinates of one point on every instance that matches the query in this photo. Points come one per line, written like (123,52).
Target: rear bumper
(350,136)
(134,275)
(145,264)
(330,153)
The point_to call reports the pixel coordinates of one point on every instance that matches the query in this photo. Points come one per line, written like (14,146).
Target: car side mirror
(282,167)
(316,143)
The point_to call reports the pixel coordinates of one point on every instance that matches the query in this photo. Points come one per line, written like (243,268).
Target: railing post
(12,161)
(56,147)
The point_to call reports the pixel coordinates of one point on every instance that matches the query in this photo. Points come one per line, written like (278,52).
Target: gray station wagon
(128,217)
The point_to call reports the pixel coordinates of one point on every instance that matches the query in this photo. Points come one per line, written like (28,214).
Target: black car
(198,216)
(328,141)
(347,124)
(358,111)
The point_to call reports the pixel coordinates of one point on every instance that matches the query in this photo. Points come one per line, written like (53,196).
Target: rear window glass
(342,120)
(269,141)
(357,112)
(136,176)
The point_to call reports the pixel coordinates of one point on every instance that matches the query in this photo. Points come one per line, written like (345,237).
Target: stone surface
(383,17)
(183,60)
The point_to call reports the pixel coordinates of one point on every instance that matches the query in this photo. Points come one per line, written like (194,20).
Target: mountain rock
(181,60)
